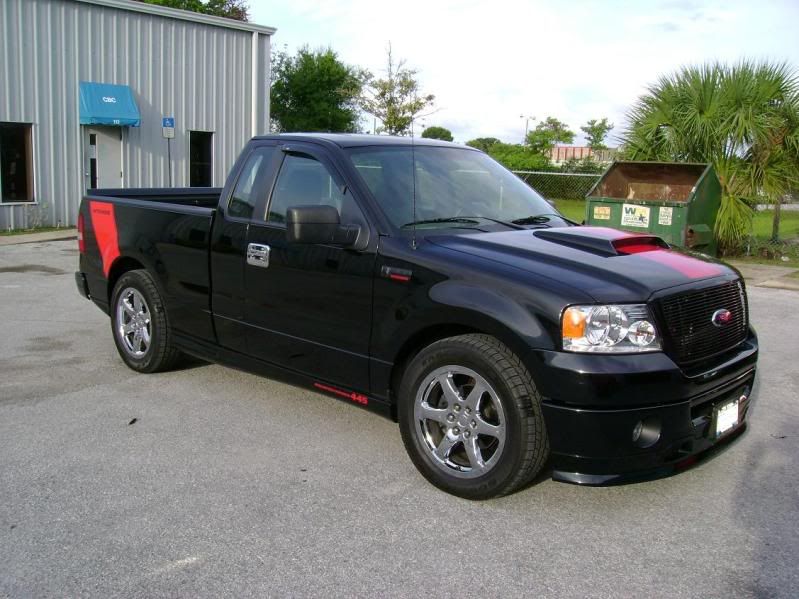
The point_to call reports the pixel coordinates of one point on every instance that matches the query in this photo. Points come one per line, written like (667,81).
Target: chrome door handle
(258,255)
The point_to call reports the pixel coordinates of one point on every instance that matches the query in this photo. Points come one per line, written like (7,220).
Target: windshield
(454,187)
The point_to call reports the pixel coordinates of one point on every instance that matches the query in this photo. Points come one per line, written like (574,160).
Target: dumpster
(675,201)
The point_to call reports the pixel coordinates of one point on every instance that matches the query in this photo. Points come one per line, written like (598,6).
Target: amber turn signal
(573,323)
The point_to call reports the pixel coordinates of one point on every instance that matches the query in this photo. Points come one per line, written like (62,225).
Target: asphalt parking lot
(227,484)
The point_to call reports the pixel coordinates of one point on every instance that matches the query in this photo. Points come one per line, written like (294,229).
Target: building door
(201,158)
(103,157)
(16,160)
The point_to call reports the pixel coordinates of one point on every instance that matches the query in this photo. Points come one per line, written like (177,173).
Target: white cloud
(489,62)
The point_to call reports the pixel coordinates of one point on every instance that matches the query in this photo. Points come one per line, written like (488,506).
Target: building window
(16,163)
(201,159)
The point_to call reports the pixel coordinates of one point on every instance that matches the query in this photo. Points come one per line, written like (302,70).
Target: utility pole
(527,120)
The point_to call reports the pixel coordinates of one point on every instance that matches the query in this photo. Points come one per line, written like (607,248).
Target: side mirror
(319,224)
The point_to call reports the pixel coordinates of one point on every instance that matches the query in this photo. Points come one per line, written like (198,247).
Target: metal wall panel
(199,73)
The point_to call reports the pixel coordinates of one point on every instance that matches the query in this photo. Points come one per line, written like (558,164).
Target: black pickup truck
(426,282)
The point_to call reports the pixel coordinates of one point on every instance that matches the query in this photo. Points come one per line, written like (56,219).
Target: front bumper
(593,404)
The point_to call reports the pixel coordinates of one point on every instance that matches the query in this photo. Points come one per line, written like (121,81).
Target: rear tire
(139,324)
(471,418)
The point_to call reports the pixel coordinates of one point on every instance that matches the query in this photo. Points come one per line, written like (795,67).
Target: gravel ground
(212,482)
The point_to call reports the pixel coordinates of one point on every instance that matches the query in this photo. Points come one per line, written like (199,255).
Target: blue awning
(108,104)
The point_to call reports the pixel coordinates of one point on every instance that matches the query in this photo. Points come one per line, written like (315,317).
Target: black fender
(449,308)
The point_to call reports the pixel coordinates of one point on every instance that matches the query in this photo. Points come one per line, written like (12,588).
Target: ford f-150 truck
(422,280)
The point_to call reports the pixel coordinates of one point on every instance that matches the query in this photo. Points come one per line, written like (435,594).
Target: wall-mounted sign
(634,216)
(602,212)
(168,127)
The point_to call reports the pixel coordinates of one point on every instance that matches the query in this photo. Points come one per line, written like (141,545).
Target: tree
(314,91)
(438,133)
(395,99)
(582,165)
(512,156)
(547,134)
(518,157)
(483,143)
(231,9)
(743,119)
(596,132)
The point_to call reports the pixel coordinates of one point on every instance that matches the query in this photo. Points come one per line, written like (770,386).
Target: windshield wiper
(512,225)
(452,219)
(538,219)
(541,219)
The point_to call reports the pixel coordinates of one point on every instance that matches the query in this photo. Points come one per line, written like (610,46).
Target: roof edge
(182,15)
(345,140)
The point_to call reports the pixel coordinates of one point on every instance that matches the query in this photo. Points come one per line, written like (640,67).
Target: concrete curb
(766,275)
(789,283)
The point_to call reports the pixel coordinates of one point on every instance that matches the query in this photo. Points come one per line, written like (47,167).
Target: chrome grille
(690,334)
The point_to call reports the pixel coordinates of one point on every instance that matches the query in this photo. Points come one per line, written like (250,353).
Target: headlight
(625,328)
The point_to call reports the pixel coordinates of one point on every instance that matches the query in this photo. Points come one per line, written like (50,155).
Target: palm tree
(743,119)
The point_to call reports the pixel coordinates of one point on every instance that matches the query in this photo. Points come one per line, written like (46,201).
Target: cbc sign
(109,100)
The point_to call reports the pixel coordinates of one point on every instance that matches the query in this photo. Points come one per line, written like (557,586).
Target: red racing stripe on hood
(627,243)
(685,265)
(105,230)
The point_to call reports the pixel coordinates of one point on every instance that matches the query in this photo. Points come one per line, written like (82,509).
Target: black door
(247,189)
(310,309)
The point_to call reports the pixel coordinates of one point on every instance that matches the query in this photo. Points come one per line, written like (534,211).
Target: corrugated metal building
(76,74)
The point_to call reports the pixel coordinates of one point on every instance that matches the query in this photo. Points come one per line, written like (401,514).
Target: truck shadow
(188,362)
(766,505)
(33,268)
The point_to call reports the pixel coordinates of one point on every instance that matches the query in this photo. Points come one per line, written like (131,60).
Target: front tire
(471,418)
(139,324)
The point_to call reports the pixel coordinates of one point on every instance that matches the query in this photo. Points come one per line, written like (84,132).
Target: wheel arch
(428,335)
(120,266)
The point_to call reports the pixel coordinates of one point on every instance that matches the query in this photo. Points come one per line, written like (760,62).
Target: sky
(493,63)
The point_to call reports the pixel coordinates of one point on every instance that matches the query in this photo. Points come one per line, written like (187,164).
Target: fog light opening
(646,432)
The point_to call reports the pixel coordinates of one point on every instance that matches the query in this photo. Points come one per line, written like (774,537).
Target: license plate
(726,418)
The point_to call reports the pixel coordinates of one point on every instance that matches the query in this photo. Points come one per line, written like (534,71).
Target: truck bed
(166,231)
(206,197)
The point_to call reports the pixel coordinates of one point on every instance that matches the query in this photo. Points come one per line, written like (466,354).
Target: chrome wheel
(460,421)
(134,326)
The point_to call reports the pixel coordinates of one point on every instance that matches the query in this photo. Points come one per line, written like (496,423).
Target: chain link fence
(559,186)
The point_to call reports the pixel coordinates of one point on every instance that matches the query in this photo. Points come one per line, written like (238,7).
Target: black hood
(609,265)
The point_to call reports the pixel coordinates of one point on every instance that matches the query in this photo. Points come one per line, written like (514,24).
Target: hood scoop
(603,241)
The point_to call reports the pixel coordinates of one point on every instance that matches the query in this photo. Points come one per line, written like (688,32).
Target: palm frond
(742,118)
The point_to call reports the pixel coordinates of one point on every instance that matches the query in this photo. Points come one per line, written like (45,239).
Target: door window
(304,181)
(242,200)
(92,161)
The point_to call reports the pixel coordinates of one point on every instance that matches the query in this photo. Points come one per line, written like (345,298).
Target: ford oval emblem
(721,317)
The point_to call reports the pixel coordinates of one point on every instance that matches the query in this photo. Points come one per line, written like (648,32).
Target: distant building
(87,85)
(561,154)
